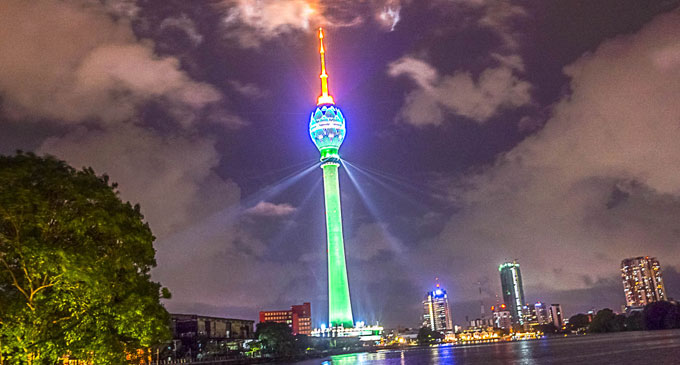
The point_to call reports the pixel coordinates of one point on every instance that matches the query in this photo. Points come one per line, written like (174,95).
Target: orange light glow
(325,98)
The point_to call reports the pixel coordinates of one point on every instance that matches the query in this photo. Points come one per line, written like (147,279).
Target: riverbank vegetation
(654,316)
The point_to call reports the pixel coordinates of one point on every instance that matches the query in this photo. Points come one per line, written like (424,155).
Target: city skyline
(480,131)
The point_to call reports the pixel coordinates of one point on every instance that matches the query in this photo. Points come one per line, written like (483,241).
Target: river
(644,347)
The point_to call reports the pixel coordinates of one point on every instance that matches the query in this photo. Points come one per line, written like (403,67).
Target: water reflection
(617,348)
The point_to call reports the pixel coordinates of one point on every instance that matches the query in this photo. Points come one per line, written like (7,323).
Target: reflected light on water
(632,347)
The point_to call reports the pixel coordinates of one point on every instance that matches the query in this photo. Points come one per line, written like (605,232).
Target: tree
(427,336)
(634,322)
(276,338)
(606,321)
(579,322)
(74,267)
(547,328)
(661,315)
(303,343)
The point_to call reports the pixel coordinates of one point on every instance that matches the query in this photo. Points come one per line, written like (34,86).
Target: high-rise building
(535,314)
(299,318)
(529,314)
(513,293)
(556,315)
(327,130)
(642,281)
(436,312)
(542,313)
(501,317)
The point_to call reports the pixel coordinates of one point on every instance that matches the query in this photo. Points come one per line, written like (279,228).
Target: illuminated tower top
(326,124)
(436,312)
(325,98)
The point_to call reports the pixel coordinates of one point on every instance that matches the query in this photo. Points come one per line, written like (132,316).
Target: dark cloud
(549,200)
(567,172)
(80,64)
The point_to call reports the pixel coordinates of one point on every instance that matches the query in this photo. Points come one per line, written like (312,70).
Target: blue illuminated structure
(436,312)
(327,130)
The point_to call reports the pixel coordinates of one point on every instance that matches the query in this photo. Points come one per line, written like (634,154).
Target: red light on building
(299,318)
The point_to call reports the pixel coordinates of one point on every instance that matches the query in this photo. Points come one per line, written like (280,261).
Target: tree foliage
(607,321)
(276,338)
(634,322)
(74,267)
(547,328)
(578,322)
(427,336)
(661,315)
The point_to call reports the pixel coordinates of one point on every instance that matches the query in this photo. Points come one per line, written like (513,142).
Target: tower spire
(325,98)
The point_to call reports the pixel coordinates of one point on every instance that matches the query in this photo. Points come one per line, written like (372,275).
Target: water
(653,347)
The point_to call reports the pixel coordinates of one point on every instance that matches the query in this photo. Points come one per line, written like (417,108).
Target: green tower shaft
(339,304)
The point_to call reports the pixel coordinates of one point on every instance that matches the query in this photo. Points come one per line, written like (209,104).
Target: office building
(642,281)
(542,313)
(436,312)
(195,326)
(556,315)
(513,292)
(299,318)
(536,314)
(502,318)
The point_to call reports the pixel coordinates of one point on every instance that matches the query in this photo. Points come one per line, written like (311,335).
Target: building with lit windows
(502,317)
(513,292)
(536,314)
(642,281)
(194,326)
(299,318)
(542,313)
(556,315)
(436,312)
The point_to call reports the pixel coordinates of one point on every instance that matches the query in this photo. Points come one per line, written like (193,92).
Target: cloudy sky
(478,131)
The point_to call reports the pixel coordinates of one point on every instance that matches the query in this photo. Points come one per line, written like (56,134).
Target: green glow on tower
(327,130)
(339,304)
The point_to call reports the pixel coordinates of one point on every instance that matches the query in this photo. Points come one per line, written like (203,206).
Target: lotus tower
(327,130)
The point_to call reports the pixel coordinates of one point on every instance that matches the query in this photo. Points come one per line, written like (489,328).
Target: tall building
(642,281)
(542,313)
(513,292)
(501,317)
(327,130)
(556,315)
(535,314)
(299,318)
(436,312)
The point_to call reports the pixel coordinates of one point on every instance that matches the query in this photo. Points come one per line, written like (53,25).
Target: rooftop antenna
(481,301)
(325,98)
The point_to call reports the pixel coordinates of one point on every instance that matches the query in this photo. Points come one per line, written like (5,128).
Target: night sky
(478,131)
